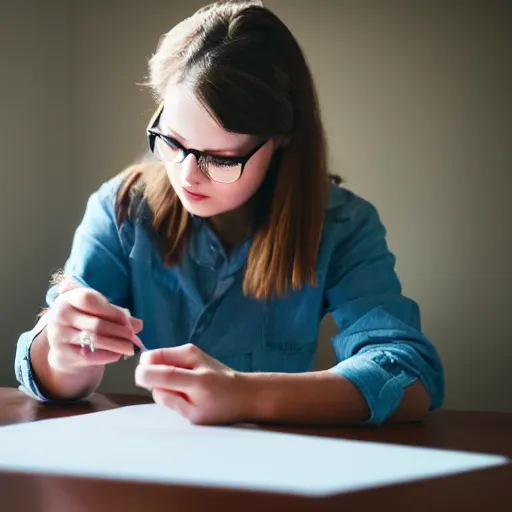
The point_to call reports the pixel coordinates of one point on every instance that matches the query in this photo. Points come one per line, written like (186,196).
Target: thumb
(185,356)
(136,324)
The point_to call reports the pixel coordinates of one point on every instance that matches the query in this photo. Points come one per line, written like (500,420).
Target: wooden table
(490,489)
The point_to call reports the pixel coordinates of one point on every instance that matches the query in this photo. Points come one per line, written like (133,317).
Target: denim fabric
(380,347)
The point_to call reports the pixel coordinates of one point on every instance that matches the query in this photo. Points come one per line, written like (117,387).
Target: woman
(230,249)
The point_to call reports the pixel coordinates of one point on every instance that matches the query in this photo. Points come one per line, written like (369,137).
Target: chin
(206,208)
(199,210)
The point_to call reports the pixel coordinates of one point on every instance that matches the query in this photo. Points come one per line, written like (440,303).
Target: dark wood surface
(486,432)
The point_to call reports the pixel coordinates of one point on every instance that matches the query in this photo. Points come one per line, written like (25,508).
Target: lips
(194,196)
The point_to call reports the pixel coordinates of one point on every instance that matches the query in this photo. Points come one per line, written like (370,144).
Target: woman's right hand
(79,309)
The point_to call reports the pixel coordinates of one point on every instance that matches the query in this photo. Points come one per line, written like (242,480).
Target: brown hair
(227,53)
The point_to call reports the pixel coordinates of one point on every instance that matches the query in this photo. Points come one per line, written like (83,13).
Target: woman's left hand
(197,386)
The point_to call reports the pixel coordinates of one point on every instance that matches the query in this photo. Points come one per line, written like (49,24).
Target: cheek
(172,173)
(235,194)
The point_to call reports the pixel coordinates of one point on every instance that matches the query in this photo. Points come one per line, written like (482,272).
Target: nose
(190,172)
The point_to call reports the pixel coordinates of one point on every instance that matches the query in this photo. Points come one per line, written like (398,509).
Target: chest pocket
(290,333)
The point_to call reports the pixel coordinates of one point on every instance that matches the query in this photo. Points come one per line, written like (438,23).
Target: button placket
(201,323)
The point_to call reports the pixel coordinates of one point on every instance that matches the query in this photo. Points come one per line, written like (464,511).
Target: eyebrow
(175,135)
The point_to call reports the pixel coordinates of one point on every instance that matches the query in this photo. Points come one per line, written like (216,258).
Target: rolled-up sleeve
(380,346)
(96,260)
(22,366)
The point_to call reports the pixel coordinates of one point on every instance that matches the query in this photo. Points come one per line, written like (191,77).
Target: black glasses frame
(153,132)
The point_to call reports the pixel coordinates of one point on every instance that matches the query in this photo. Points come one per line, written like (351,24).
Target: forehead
(184,115)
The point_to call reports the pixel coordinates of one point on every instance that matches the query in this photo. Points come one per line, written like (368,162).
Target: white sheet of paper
(152,444)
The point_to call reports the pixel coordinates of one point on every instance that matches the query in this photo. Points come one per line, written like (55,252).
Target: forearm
(58,385)
(320,398)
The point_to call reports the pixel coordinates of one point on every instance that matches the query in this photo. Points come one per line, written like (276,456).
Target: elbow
(414,406)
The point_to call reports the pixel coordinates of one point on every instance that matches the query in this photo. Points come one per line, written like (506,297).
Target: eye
(167,149)
(172,142)
(218,161)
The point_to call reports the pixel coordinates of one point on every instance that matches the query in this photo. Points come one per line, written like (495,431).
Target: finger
(70,284)
(66,357)
(115,345)
(93,303)
(98,357)
(135,323)
(66,335)
(137,341)
(173,400)
(185,356)
(165,377)
(72,317)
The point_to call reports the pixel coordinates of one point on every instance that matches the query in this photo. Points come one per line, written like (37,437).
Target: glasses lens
(167,152)
(220,170)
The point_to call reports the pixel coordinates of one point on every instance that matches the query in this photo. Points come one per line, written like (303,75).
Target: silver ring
(87,340)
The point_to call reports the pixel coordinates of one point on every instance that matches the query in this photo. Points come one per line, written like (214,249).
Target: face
(186,120)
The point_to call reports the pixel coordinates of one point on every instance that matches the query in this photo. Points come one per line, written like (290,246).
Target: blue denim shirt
(380,347)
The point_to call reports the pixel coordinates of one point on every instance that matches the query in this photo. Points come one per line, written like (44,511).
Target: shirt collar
(207,250)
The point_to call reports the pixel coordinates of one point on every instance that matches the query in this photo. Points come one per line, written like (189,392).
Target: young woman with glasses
(220,258)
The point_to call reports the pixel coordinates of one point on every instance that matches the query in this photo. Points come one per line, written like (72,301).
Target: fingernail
(137,342)
(144,357)
(135,324)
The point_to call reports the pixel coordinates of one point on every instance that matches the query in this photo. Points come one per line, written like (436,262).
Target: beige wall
(416,101)
(37,188)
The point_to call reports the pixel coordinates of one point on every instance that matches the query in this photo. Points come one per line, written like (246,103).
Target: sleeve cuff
(380,378)
(22,366)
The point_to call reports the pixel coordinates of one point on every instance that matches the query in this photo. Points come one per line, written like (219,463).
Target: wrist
(76,384)
(66,383)
(256,400)
(318,398)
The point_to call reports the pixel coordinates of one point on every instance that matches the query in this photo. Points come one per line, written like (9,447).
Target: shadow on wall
(325,356)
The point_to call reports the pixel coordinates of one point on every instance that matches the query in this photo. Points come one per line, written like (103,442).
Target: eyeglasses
(222,169)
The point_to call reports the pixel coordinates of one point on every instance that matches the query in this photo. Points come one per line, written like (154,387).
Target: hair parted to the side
(226,53)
